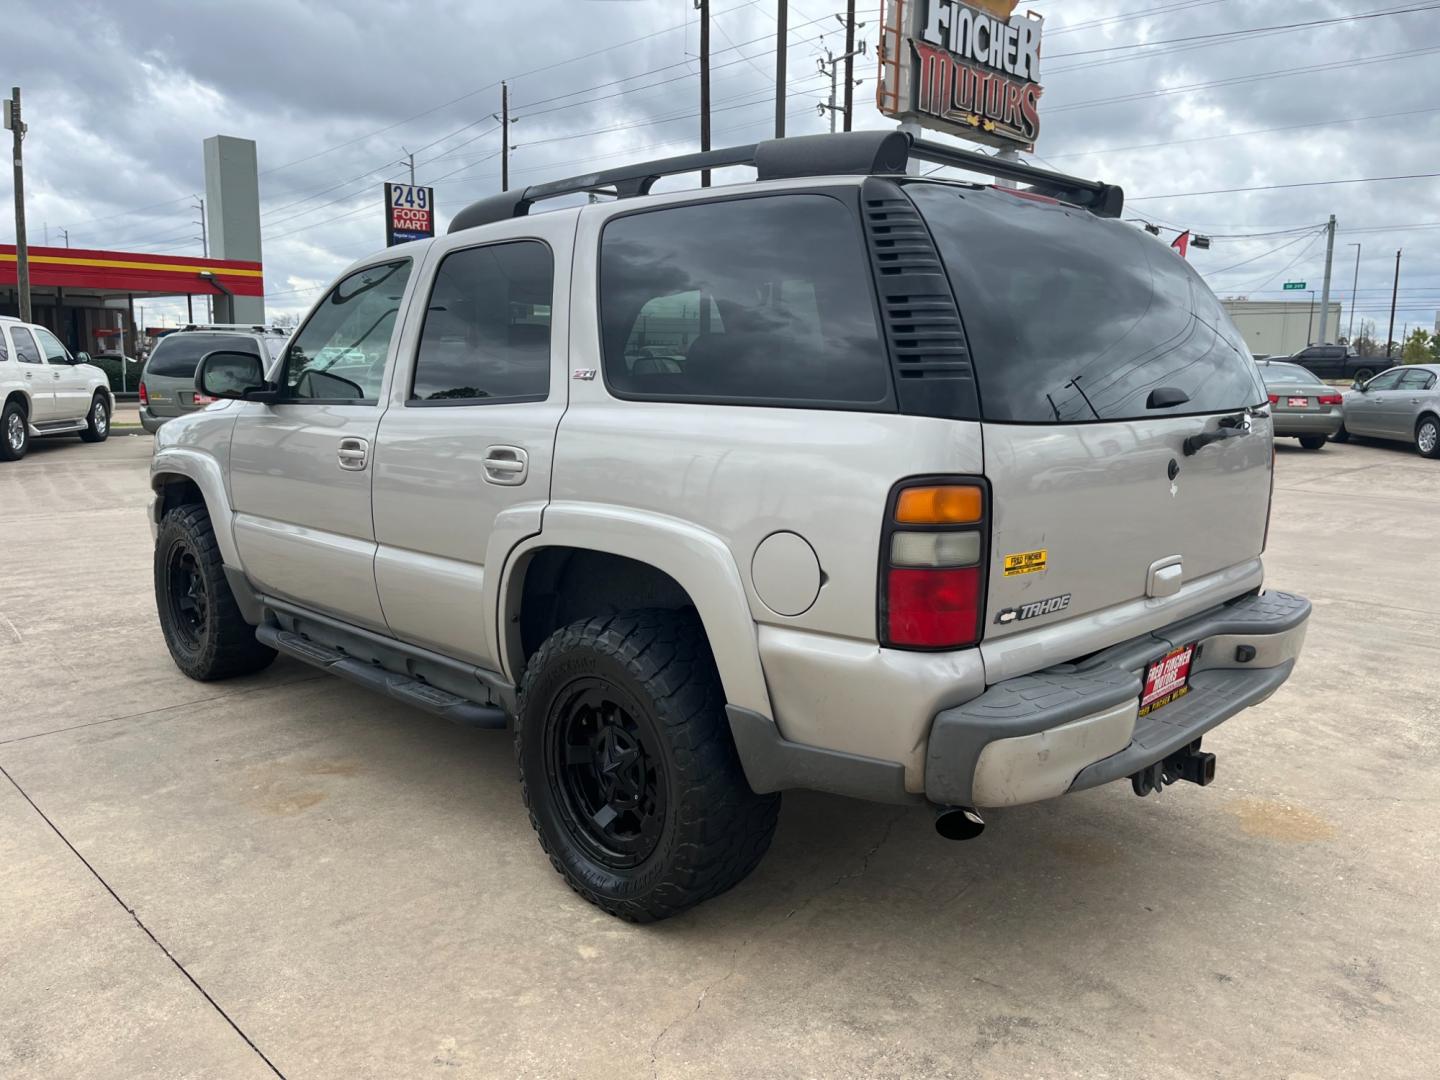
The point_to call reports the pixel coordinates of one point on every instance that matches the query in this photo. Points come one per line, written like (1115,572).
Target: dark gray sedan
(1302,406)
(1401,404)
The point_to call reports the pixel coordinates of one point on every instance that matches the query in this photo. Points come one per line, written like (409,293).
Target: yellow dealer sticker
(1025,562)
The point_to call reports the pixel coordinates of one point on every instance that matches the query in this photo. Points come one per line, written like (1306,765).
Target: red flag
(1182,242)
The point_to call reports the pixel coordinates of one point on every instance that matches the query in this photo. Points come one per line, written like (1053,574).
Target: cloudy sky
(120,96)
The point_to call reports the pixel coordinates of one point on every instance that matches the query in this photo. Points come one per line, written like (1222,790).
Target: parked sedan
(1401,404)
(1302,406)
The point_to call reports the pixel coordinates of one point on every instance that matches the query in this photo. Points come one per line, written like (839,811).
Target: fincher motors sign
(969,69)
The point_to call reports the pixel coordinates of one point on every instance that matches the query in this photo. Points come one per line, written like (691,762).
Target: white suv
(847,479)
(46,391)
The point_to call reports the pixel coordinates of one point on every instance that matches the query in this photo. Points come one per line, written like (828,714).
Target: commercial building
(1281,327)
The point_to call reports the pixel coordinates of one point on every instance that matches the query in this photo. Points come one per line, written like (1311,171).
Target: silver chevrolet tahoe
(846,479)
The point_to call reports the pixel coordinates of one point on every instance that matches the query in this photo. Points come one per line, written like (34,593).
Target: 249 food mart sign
(409,213)
(971,69)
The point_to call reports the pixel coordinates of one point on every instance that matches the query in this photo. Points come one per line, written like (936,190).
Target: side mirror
(1358,384)
(238,376)
(82,358)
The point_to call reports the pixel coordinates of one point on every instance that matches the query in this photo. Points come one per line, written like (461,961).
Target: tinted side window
(26,351)
(176,355)
(339,355)
(50,345)
(746,301)
(487,327)
(1416,380)
(1074,318)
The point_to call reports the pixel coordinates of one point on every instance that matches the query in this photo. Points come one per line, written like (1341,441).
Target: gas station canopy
(81,271)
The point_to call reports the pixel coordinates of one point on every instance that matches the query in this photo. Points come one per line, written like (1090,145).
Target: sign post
(409,213)
(970,69)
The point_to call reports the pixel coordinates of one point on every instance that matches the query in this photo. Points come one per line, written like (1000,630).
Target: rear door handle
(506,465)
(354,454)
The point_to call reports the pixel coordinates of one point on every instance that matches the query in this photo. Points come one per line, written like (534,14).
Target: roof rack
(851,153)
(253,328)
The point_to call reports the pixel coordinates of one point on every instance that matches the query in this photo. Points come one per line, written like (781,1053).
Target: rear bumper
(1075,726)
(150,422)
(1317,423)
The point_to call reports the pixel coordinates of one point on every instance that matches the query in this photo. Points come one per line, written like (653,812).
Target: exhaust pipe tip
(959,822)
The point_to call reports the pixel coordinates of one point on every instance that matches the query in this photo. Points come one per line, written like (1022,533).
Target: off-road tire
(215,641)
(97,420)
(8,452)
(1428,426)
(1312,442)
(713,829)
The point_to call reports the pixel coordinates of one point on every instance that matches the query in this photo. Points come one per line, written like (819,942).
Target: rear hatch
(170,372)
(1098,353)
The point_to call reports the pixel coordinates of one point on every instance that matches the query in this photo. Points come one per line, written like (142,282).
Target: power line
(1280,187)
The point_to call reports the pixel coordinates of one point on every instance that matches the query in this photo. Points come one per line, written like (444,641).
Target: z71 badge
(1034,610)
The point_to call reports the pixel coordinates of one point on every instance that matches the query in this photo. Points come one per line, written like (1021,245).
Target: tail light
(932,564)
(1270,500)
(144,397)
(1331,399)
(1274,399)
(204,399)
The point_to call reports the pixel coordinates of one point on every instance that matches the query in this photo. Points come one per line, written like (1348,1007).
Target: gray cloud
(120,97)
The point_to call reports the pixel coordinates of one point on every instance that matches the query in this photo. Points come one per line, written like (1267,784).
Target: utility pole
(1325,295)
(22,250)
(782,39)
(1310,324)
(1394,294)
(66,234)
(411,159)
(831,66)
(849,61)
(504,136)
(199,204)
(704,8)
(1350,333)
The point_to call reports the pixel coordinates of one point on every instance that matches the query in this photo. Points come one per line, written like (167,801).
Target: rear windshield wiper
(1231,427)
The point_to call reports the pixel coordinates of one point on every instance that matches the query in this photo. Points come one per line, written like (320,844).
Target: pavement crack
(854,874)
(140,923)
(699,1001)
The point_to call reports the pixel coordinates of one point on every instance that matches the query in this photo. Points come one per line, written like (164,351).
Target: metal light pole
(1325,294)
(1350,333)
(1394,294)
(782,39)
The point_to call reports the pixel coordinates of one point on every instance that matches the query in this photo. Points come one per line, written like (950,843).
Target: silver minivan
(167,384)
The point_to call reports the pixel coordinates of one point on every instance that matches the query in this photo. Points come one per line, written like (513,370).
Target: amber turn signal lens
(948,505)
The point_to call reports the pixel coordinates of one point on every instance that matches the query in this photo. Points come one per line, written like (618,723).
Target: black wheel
(1427,437)
(1365,374)
(1312,442)
(14,431)
(628,769)
(207,636)
(97,422)
(1341,436)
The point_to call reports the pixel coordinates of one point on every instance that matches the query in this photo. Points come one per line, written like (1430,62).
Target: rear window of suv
(1074,318)
(754,301)
(177,355)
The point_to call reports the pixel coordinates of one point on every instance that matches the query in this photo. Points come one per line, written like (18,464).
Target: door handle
(353,454)
(1414,401)
(506,465)
(55,375)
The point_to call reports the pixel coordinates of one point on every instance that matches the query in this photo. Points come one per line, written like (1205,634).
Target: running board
(404,688)
(58,427)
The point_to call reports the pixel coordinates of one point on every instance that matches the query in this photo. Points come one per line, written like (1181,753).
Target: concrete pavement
(326,884)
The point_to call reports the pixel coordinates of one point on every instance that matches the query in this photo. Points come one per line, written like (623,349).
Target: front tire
(1312,442)
(628,768)
(97,422)
(1427,437)
(207,636)
(14,432)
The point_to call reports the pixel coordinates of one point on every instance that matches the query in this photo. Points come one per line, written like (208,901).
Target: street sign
(409,213)
(1294,285)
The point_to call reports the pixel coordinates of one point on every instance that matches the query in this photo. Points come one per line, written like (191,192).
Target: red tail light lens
(1274,399)
(204,399)
(934,608)
(933,553)
(144,397)
(1331,399)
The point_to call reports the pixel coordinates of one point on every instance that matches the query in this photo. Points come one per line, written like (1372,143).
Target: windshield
(1286,373)
(1072,318)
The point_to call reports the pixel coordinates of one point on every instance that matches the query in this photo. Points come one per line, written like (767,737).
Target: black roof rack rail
(857,153)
